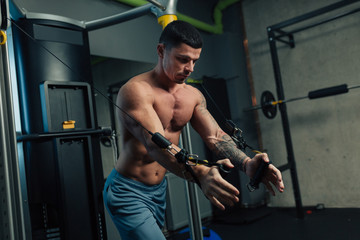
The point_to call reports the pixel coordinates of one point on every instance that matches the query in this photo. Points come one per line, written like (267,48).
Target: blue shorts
(138,210)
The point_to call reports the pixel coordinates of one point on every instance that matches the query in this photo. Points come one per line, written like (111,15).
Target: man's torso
(174,110)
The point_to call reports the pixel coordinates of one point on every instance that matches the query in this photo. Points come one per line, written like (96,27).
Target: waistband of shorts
(115,174)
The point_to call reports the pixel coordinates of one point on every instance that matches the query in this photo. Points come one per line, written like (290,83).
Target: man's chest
(174,110)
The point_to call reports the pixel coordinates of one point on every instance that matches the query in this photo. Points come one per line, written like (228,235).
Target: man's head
(179,48)
(178,32)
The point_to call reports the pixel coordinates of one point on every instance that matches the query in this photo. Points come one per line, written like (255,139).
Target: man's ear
(161,50)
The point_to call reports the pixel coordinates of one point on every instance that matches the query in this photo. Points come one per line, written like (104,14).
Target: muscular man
(161,102)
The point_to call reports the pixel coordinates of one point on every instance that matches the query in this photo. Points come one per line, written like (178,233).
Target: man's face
(179,62)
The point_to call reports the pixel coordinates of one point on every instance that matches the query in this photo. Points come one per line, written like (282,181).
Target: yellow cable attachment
(276,102)
(203,162)
(164,20)
(4,38)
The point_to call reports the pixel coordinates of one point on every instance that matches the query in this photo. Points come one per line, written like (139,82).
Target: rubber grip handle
(328,91)
(160,140)
(259,174)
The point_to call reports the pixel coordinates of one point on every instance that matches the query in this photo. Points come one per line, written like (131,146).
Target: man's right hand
(216,188)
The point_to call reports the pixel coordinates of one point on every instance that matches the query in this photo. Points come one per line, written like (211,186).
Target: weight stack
(64,175)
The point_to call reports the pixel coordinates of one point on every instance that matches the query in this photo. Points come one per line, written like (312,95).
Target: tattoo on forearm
(226,148)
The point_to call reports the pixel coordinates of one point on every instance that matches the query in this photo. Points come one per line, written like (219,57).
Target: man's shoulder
(136,90)
(137,84)
(190,88)
(194,91)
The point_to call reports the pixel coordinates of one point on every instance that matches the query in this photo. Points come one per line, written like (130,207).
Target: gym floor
(283,224)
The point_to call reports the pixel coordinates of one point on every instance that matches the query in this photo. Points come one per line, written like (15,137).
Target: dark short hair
(178,32)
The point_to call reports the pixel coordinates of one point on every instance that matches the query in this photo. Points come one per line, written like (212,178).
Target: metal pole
(195,225)
(286,125)
(12,199)
(119,18)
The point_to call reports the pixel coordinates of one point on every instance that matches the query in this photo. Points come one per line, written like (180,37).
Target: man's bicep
(203,122)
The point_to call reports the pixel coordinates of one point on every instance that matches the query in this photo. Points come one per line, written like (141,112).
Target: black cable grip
(259,174)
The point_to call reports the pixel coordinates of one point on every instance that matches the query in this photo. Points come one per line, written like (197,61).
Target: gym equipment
(255,181)
(12,213)
(4,13)
(3,37)
(268,103)
(157,4)
(278,33)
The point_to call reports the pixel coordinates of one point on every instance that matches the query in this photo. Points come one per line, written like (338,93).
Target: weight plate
(268,109)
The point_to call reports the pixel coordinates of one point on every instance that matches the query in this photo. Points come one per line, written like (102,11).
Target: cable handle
(160,140)
(259,174)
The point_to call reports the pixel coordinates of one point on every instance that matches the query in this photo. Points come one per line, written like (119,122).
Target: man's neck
(162,81)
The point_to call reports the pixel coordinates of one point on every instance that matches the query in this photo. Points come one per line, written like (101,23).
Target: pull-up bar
(279,32)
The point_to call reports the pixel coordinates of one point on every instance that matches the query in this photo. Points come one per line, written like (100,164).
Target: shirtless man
(160,101)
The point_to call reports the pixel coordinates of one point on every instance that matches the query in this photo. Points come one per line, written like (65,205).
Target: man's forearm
(226,148)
